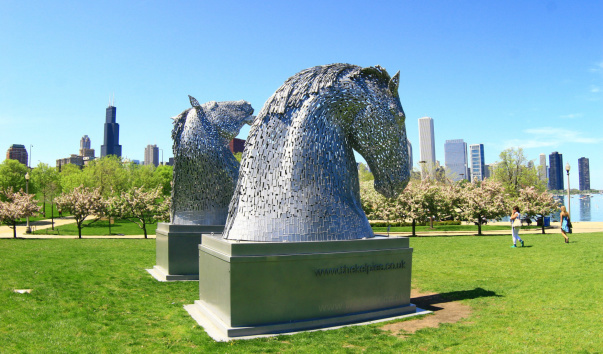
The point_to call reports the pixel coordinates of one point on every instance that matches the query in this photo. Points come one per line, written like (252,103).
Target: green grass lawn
(94,295)
(101,227)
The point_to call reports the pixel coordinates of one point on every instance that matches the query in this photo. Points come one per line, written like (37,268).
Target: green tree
(238,156)
(164,175)
(12,175)
(514,173)
(46,181)
(141,175)
(108,174)
(364,174)
(71,177)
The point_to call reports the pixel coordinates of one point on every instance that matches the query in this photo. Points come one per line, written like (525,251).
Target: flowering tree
(482,200)
(17,205)
(82,202)
(140,206)
(418,201)
(533,203)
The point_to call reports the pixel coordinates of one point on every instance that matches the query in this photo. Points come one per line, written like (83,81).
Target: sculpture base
(177,251)
(255,288)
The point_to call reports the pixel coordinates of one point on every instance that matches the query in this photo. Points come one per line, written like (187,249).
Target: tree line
(514,181)
(107,187)
(111,188)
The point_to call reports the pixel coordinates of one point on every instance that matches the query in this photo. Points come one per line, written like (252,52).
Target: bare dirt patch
(444,311)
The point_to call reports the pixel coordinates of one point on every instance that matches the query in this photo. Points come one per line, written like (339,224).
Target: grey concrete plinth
(177,248)
(255,288)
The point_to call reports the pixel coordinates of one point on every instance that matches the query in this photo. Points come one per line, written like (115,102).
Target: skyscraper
(455,158)
(85,150)
(151,155)
(17,152)
(111,145)
(477,161)
(556,171)
(584,173)
(542,170)
(427,143)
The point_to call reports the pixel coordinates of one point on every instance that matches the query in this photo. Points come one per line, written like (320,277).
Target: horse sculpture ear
(193,101)
(394,83)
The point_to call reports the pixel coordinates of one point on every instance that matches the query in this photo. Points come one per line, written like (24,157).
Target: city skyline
(509,74)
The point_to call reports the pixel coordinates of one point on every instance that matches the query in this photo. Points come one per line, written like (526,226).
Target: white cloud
(571,116)
(548,136)
(594,89)
(598,68)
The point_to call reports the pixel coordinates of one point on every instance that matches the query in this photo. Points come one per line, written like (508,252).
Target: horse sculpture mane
(205,171)
(298,179)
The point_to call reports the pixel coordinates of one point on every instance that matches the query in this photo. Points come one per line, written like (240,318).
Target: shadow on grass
(428,302)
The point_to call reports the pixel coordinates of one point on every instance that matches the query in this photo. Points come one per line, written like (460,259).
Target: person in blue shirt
(565,229)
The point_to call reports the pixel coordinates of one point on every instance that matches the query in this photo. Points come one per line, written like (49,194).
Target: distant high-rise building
(85,150)
(489,170)
(427,143)
(455,158)
(556,171)
(542,168)
(151,155)
(409,155)
(584,173)
(17,152)
(73,159)
(236,145)
(477,161)
(111,145)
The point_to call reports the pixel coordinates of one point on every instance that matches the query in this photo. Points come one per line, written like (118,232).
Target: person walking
(515,226)
(565,220)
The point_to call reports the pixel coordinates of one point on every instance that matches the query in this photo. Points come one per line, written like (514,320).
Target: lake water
(583,208)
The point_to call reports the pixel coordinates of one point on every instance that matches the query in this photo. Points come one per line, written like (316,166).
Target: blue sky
(503,73)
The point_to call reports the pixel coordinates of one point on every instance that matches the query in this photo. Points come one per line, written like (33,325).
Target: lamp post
(27,229)
(569,204)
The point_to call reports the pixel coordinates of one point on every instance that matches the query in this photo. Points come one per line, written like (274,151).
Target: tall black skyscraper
(584,173)
(555,171)
(111,145)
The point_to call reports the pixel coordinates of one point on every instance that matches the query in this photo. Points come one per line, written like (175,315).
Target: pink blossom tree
(140,206)
(482,200)
(418,201)
(533,203)
(82,202)
(15,206)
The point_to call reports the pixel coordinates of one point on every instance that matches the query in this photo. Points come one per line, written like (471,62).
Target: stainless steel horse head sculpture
(298,179)
(205,171)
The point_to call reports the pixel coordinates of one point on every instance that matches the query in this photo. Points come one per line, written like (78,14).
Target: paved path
(579,227)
